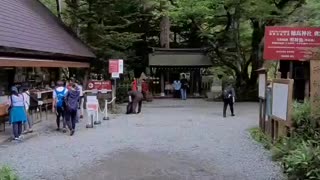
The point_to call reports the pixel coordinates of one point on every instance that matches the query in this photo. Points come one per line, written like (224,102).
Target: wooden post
(262,97)
(86,78)
(315,86)
(162,83)
(114,91)
(290,75)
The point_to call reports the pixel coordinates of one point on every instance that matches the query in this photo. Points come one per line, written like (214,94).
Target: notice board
(282,90)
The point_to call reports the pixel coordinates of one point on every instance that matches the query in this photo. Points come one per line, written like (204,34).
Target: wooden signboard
(282,93)
(262,85)
(315,86)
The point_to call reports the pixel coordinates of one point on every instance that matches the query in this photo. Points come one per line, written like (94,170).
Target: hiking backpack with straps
(60,97)
(227,93)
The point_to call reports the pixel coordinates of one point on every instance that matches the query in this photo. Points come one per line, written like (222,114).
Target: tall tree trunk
(255,58)
(74,19)
(165,32)
(164,28)
(58,6)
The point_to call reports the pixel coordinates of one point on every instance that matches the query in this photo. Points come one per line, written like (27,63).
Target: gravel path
(171,139)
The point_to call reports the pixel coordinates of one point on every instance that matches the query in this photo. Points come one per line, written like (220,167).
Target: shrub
(303,162)
(259,136)
(6,173)
(300,153)
(304,124)
(122,93)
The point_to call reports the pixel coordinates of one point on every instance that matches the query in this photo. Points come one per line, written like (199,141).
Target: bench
(3,120)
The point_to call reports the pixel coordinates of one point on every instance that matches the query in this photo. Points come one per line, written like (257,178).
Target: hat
(14,89)
(60,83)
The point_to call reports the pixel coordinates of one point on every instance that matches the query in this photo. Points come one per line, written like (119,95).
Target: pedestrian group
(66,104)
(67,100)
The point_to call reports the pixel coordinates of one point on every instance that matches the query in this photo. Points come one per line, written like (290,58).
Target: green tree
(108,26)
(234,31)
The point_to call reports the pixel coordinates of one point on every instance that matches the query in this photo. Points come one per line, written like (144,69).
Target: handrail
(113,99)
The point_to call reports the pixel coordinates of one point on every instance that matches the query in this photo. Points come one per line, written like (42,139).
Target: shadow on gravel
(135,165)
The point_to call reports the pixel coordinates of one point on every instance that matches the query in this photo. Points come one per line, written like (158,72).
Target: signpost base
(106,117)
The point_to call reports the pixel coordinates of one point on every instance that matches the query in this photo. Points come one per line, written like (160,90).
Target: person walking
(72,104)
(58,105)
(80,88)
(135,98)
(184,87)
(228,99)
(29,123)
(17,112)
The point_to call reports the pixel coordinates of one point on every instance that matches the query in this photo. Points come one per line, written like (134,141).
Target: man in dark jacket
(228,99)
(184,87)
(72,104)
(135,98)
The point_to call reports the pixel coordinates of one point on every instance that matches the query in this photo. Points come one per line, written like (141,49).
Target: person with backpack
(228,99)
(17,112)
(58,105)
(72,103)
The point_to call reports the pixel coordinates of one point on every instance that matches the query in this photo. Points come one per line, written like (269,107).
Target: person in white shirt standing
(80,89)
(17,112)
(26,97)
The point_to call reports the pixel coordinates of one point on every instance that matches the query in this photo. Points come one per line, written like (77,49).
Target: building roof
(28,26)
(178,50)
(161,57)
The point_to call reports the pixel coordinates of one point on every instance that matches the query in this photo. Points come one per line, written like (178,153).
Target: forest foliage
(231,30)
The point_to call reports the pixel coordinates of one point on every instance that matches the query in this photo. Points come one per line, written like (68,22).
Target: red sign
(92,107)
(290,43)
(113,66)
(100,85)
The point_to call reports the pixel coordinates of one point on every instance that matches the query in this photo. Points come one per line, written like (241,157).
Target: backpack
(60,98)
(227,93)
(72,101)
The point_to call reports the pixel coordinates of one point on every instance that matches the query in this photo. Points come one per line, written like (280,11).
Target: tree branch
(229,18)
(224,61)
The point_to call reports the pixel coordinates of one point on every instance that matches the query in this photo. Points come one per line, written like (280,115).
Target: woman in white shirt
(17,112)
(26,97)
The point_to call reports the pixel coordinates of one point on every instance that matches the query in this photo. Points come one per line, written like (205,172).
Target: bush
(6,173)
(300,153)
(303,162)
(122,93)
(259,136)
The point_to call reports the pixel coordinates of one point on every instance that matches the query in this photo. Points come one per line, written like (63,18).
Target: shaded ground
(171,139)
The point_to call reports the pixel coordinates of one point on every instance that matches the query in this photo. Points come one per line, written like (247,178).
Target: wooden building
(299,71)
(32,37)
(167,65)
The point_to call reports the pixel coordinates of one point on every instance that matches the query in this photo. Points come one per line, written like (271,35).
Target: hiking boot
(232,115)
(72,132)
(16,140)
